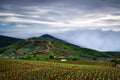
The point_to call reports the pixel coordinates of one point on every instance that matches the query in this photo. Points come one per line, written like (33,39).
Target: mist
(94,39)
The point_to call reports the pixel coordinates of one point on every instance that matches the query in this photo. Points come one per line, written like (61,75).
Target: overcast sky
(25,18)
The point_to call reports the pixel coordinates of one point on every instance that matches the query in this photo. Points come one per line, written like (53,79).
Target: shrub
(51,57)
(75,58)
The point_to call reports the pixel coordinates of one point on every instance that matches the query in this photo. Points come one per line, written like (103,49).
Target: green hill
(51,46)
(5,40)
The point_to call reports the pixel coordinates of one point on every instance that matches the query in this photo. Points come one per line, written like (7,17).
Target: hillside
(49,45)
(5,40)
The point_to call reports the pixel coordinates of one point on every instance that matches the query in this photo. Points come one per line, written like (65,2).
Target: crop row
(27,70)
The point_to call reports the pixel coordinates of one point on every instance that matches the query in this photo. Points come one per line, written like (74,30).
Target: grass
(43,70)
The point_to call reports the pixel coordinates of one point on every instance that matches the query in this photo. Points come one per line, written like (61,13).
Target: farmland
(42,70)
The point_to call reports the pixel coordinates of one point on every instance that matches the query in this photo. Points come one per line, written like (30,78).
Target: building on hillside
(42,51)
(30,41)
(113,58)
(17,56)
(118,66)
(1,56)
(63,60)
(5,56)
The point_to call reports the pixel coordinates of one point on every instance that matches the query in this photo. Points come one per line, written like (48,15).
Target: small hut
(63,60)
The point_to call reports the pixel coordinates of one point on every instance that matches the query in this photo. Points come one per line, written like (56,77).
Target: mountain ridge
(50,45)
(7,40)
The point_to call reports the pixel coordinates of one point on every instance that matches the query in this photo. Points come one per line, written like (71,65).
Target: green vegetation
(116,61)
(41,70)
(54,47)
(5,40)
(37,57)
(45,54)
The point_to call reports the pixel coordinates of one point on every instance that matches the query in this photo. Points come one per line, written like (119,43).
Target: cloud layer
(63,13)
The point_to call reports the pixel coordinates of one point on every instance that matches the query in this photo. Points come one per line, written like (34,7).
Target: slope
(49,45)
(5,40)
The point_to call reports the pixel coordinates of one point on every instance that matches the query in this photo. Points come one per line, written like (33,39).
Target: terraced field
(41,70)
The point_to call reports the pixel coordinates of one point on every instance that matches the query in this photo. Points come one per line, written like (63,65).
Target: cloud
(8,14)
(61,13)
(79,21)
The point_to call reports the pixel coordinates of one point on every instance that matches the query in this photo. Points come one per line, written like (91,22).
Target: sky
(89,23)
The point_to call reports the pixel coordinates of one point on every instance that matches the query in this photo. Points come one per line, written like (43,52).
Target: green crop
(41,70)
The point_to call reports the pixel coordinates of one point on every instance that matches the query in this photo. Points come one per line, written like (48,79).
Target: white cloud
(22,26)
(107,17)
(9,14)
(23,20)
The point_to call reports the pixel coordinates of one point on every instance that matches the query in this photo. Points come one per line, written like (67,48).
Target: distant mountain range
(47,44)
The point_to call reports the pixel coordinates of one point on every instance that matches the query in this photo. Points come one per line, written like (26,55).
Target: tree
(51,57)
(94,58)
(34,55)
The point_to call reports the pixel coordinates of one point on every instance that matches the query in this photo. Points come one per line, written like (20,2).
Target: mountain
(5,40)
(47,36)
(49,45)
